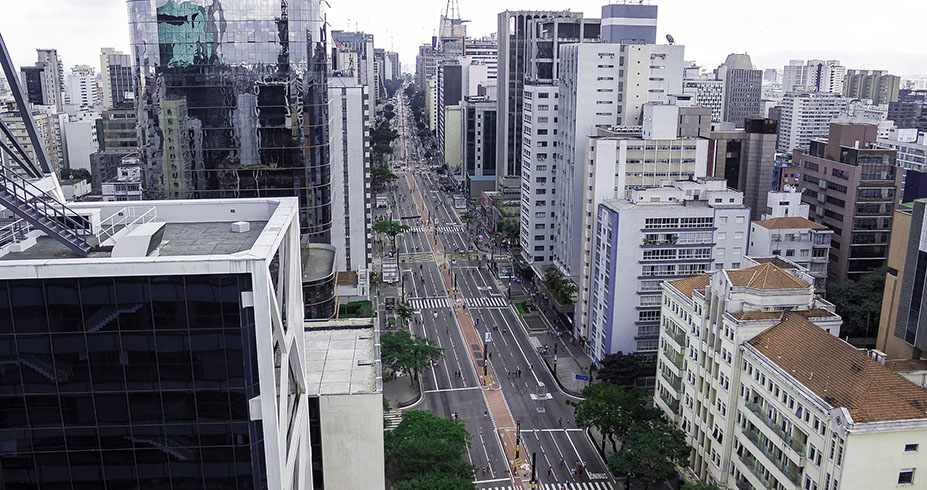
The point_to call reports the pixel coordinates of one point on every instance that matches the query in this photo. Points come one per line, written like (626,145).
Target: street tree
(622,369)
(859,303)
(424,444)
(649,453)
(380,175)
(404,311)
(402,352)
(390,229)
(612,410)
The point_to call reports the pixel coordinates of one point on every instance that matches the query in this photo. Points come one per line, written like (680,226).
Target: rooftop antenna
(670,39)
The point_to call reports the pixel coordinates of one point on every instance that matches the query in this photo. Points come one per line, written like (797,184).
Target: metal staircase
(18,194)
(44,212)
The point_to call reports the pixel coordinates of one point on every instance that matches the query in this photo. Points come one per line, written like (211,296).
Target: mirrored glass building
(232,101)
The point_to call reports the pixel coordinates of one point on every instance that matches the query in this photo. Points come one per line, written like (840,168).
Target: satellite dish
(670,39)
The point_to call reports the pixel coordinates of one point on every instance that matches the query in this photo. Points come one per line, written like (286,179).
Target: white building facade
(350,158)
(538,173)
(805,116)
(658,234)
(797,239)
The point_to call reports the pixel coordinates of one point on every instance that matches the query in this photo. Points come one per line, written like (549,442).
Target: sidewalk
(399,392)
(492,394)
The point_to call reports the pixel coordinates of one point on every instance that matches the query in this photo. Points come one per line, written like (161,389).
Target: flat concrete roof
(341,358)
(180,239)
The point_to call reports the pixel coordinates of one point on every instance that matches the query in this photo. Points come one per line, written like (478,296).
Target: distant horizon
(709,33)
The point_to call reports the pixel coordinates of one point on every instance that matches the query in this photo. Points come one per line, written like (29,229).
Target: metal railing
(783,464)
(128,217)
(14,232)
(57,217)
(677,383)
(795,444)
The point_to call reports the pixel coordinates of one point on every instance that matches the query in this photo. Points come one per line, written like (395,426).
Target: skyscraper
(118,83)
(514,33)
(233,101)
(743,89)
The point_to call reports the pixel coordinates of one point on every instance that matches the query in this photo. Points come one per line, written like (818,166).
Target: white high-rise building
(793,75)
(82,88)
(538,173)
(807,115)
(818,75)
(654,235)
(601,85)
(350,170)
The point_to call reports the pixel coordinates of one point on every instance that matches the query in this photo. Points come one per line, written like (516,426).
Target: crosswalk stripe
(487,302)
(428,303)
(439,229)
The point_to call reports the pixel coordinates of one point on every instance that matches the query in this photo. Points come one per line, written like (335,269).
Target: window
(910,448)
(906,476)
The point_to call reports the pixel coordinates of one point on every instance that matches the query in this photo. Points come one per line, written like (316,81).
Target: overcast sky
(862,34)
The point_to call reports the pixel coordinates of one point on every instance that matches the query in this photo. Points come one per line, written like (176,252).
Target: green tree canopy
(75,173)
(425,447)
(404,311)
(402,352)
(381,175)
(649,453)
(622,369)
(612,410)
(390,229)
(561,287)
(859,303)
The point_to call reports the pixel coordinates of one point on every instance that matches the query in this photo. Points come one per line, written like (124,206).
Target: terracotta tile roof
(815,313)
(779,261)
(765,276)
(757,315)
(840,374)
(688,284)
(789,222)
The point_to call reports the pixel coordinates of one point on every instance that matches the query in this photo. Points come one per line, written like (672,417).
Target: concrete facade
(538,174)
(352,210)
(654,235)
(852,188)
(478,144)
(805,116)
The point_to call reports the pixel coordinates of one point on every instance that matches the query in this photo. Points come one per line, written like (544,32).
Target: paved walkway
(495,400)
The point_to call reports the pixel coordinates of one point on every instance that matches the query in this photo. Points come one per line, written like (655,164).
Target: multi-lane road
(456,385)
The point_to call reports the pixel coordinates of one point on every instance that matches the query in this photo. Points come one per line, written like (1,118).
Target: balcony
(673,381)
(669,402)
(792,473)
(757,469)
(797,446)
(676,359)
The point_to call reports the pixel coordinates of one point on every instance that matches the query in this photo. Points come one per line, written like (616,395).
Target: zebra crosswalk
(592,485)
(439,229)
(426,303)
(391,419)
(416,258)
(487,302)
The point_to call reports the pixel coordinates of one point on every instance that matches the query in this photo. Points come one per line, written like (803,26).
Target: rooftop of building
(789,222)
(906,365)
(689,284)
(207,227)
(775,259)
(318,261)
(838,373)
(341,357)
(765,276)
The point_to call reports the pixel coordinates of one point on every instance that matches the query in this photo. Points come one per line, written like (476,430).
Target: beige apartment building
(752,369)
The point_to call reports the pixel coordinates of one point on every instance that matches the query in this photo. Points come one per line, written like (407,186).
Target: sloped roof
(765,276)
(688,284)
(789,222)
(840,374)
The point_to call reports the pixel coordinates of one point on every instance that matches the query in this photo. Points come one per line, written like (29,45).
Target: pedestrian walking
(560,421)
(485,413)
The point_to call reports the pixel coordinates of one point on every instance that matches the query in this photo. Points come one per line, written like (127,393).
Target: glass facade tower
(232,101)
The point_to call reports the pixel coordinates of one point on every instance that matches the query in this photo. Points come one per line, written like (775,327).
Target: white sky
(862,34)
